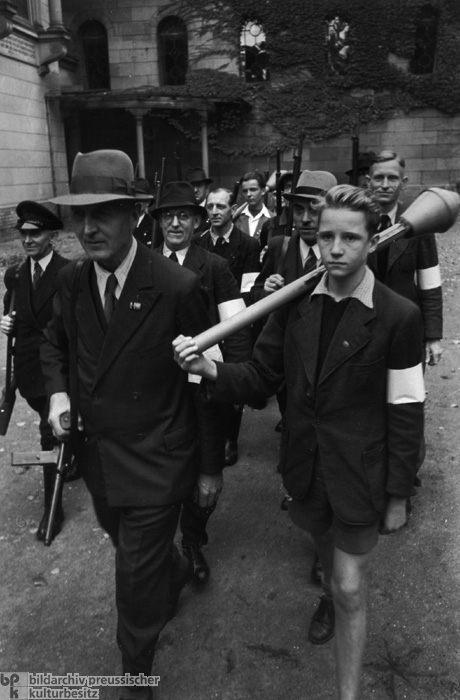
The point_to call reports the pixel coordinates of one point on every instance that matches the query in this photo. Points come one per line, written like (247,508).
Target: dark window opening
(22,8)
(172,51)
(94,40)
(253,53)
(426,26)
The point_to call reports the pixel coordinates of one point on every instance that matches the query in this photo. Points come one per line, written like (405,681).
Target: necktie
(219,244)
(110,298)
(37,274)
(310,262)
(173,257)
(382,255)
(385,222)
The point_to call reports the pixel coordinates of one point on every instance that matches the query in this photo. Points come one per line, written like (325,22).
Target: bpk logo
(14,685)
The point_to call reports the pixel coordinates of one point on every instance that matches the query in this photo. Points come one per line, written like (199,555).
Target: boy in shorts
(350,353)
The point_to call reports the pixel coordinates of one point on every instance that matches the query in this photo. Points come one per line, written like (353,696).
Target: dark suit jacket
(368,447)
(33,311)
(221,290)
(242,253)
(408,260)
(136,404)
(286,262)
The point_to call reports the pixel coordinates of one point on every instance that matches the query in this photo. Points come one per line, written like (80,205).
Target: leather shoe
(201,572)
(323,622)
(57,527)
(316,573)
(231,452)
(182,573)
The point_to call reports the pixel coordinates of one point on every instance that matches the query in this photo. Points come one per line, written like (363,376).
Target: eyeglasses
(182,216)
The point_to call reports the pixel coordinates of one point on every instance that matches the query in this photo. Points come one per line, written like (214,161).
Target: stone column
(56,19)
(139,117)
(204,142)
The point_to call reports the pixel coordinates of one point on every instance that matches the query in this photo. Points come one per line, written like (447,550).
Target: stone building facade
(84,74)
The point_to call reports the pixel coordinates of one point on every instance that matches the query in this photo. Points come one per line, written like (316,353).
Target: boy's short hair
(354,199)
(254,175)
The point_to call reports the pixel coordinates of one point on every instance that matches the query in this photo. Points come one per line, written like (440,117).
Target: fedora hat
(311,184)
(365,161)
(142,186)
(101,176)
(178,194)
(35,217)
(197,175)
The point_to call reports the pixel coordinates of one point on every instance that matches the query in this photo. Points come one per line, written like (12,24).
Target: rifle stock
(8,398)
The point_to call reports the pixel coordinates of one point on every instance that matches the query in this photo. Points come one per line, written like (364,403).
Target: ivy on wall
(304,93)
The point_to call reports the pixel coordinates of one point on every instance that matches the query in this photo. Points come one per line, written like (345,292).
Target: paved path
(245,637)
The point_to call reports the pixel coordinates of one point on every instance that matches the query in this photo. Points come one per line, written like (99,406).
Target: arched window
(172,51)
(426,26)
(253,54)
(338,45)
(93,37)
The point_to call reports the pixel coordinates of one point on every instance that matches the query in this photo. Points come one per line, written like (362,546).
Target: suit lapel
(47,286)
(306,332)
(350,336)
(193,260)
(133,306)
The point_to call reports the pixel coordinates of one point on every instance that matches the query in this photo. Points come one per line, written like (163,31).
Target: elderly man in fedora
(179,217)
(109,346)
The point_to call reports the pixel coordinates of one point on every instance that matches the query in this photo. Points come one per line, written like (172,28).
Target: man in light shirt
(251,217)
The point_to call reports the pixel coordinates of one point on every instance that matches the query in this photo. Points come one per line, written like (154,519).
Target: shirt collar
(226,236)
(362,293)
(305,249)
(392,214)
(43,262)
(120,273)
(179,253)
(263,212)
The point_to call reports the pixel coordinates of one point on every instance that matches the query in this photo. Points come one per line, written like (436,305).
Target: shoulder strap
(73,368)
(282,257)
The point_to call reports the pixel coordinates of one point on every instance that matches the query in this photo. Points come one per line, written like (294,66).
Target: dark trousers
(144,568)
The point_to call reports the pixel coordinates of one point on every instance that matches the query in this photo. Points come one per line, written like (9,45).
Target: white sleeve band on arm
(430,278)
(213,353)
(247,281)
(406,385)
(230,308)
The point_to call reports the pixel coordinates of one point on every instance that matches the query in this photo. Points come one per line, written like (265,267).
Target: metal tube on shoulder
(434,211)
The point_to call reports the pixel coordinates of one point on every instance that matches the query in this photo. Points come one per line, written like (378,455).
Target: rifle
(295,176)
(156,234)
(236,189)
(8,397)
(63,462)
(279,206)
(354,159)
(434,211)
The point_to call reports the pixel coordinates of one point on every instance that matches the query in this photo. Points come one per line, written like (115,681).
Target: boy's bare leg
(349,595)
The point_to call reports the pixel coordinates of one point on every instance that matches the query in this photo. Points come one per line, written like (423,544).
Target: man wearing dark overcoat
(137,415)
(34,284)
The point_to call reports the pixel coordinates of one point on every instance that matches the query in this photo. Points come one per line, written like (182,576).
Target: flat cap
(33,216)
